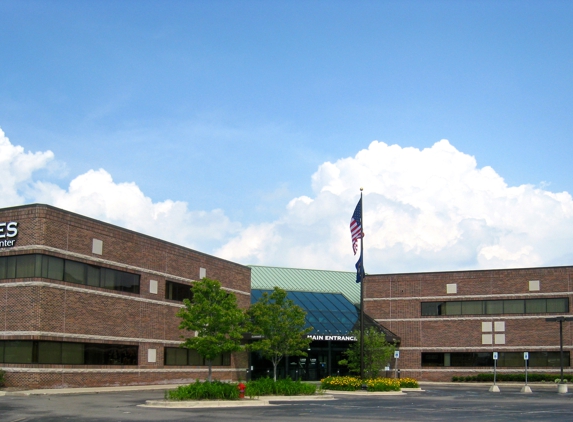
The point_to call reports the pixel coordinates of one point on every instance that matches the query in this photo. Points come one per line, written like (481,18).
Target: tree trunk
(275,371)
(210,378)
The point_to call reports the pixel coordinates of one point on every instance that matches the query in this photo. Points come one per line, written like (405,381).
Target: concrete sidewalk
(90,390)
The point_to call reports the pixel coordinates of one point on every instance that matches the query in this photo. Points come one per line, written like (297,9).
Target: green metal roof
(299,280)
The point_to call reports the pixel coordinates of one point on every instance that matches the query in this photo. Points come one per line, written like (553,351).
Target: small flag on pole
(356,226)
(359,269)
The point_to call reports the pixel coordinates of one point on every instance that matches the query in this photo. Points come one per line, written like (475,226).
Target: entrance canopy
(329,314)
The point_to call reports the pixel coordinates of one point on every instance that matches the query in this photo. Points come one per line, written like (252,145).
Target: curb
(367,393)
(489,384)
(202,404)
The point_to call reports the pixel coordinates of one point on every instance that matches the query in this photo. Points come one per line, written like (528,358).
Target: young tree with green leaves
(215,317)
(377,352)
(281,325)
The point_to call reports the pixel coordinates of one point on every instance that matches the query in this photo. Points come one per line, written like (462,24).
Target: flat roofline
(63,211)
(300,269)
(475,271)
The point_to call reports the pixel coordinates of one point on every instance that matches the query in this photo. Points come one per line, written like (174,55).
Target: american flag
(356,226)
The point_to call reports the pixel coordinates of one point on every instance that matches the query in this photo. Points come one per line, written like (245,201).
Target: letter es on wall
(12,229)
(8,229)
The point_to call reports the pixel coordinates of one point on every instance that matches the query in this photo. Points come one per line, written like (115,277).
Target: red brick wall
(395,302)
(61,311)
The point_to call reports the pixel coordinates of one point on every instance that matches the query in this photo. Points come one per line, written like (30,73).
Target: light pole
(560,319)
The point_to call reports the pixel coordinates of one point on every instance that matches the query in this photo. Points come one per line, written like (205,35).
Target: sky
(245,129)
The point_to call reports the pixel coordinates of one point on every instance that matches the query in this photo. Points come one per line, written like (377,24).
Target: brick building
(86,303)
(450,323)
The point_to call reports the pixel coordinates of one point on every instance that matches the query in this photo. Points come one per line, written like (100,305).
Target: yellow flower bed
(341,383)
(409,383)
(376,384)
(383,384)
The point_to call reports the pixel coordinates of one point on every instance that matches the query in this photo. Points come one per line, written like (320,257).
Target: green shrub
(215,390)
(2,373)
(285,387)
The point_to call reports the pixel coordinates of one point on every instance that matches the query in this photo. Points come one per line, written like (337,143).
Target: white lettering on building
(7,231)
(332,338)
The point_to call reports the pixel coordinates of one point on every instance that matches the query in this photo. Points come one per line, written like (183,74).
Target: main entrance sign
(8,231)
(336,338)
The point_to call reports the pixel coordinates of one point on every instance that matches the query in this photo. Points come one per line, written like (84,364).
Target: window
(558,305)
(49,352)
(52,267)
(433,359)
(178,291)
(176,356)
(536,306)
(472,307)
(453,308)
(73,353)
(25,266)
(431,308)
(514,306)
(38,265)
(75,272)
(18,351)
(496,307)
(54,352)
(493,307)
(505,359)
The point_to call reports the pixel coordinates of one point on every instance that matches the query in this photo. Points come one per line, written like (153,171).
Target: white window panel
(451,288)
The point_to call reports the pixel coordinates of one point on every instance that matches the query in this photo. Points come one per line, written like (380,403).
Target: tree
(377,352)
(215,317)
(281,323)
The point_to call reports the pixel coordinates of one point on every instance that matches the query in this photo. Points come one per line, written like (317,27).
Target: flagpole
(361,289)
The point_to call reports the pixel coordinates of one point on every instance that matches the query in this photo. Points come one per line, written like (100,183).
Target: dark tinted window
(485,359)
(177,356)
(496,307)
(178,291)
(38,265)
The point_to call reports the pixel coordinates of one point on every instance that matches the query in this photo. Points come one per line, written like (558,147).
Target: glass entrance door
(316,366)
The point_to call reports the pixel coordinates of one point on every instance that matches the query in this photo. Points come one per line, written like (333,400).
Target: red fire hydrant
(241,388)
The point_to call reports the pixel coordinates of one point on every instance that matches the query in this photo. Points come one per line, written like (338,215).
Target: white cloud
(424,210)
(96,195)
(16,168)
(430,209)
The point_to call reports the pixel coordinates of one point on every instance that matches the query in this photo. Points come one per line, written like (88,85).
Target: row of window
(497,307)
(66,353)
(505,359)
(176,356)
(45,266)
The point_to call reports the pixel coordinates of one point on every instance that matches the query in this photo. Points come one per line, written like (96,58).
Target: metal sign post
(526,388)
(494,388)
(561,388)
(396,357)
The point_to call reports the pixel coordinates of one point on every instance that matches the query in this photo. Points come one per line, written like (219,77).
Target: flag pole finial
(361,189)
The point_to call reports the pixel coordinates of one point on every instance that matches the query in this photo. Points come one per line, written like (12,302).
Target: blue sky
(229,108)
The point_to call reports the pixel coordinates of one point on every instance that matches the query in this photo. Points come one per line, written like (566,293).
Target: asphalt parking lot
(436,403)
